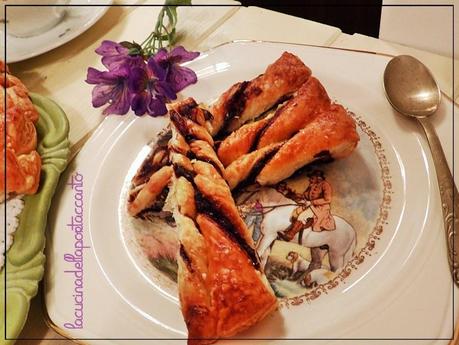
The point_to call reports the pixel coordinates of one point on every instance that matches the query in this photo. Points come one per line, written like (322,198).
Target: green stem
(163,31)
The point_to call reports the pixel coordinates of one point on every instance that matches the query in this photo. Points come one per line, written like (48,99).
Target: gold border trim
(77,147)
(381,221)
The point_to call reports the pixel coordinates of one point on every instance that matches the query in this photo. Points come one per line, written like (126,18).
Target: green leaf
(127,44)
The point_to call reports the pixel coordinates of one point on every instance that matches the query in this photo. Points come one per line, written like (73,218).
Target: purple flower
(111,87)
(114,55)
(132,82)
(150,91)
(178,77)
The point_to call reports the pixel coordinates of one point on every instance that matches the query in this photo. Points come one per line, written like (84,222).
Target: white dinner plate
(77,20)
(397,287)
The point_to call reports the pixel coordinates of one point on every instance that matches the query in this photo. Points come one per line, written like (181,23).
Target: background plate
(403,291)
(76,21)
(25,260)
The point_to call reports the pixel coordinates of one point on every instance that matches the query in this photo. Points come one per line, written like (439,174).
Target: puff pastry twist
(221,288)
(242,102)
(304,129)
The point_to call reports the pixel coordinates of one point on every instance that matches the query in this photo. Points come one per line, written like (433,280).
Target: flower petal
(139,103)
(111,87)
(157,68)
(137,80)
(110,48)
(95,76)
(114,62)
(114,55)
(180,77)
(156,107)
(180,54)
(120,101)
(165,89)
(101,94)
(161,56)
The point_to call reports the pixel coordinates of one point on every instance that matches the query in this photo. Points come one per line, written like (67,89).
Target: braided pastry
(243,101)
(149,186)
(310,99)
(331,135)
(247,100)
(220,294)
(222,290)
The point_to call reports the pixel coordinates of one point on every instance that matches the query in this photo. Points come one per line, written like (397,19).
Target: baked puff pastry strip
(246,100)
(244,170)
(332,135)
(288,119)
(221,288)
(156,159)
(240,141)
(147,196)
(310,99)
(150,185)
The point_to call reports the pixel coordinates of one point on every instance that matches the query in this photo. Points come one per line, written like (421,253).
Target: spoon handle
(449,197)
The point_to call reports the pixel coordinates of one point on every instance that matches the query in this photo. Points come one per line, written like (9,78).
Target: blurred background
(419,24)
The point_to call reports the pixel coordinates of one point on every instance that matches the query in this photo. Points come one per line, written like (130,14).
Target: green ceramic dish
(25,260)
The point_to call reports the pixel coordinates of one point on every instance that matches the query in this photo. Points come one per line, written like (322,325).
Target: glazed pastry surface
(332,135)
(221,288)
(288,119)
(249,99)
(22,160)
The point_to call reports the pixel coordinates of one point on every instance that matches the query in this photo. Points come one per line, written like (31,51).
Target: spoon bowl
(410,87)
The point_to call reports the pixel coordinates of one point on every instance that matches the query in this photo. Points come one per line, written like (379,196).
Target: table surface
(200,28)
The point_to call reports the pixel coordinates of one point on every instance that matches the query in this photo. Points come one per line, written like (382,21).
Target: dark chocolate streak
(207,207)
(323,157)
(148,168)
(256,169)
(217,144)
(182,171)
(180,124)
(235,105)
(186,108)
(186,259)
(213,163)
(164,137)
(157,205)
(207,115)
(271,121)
(191,110)
(192,155)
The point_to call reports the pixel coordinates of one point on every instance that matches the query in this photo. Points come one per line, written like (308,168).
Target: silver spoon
(412,91)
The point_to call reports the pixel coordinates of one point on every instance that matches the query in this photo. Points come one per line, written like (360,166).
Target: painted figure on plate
(317,198)
(253,218)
